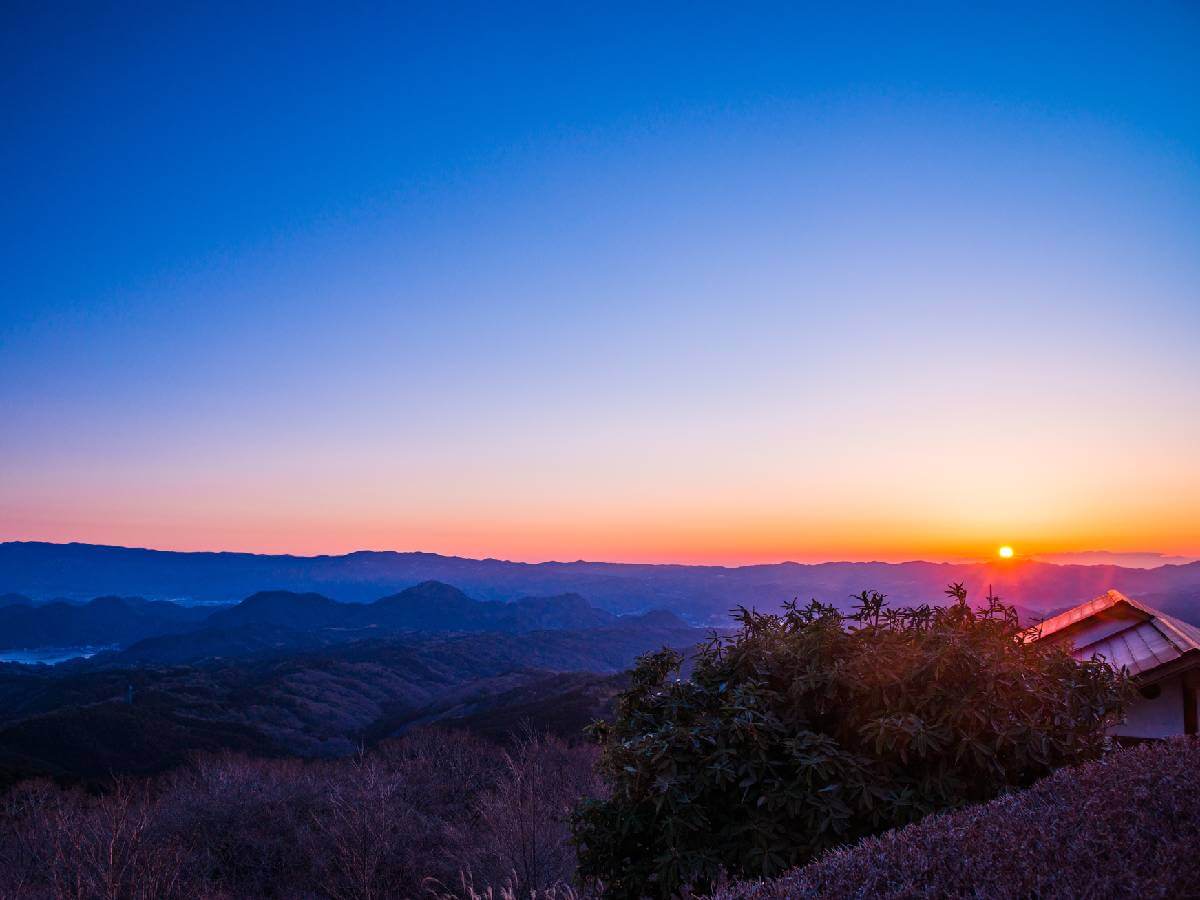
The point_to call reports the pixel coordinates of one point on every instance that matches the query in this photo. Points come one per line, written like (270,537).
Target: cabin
(1159,651)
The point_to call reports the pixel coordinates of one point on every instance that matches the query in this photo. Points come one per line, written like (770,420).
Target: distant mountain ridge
(165,631)
(703,593)
(104,620)
(429,606)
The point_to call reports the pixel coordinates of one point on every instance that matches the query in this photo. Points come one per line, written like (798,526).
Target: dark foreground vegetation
(813,729)
(442,814)
(420,816)
(798,735)
(1125,826)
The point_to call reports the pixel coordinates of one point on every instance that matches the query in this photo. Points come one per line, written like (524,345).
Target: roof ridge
(1099,603)
(1145,638)
(1118,597)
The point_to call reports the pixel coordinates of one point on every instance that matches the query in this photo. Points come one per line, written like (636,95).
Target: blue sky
(535,282)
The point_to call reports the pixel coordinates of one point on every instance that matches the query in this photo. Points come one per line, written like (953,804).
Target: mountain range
(99,622)
(285,673)
(307,618)
(702,594)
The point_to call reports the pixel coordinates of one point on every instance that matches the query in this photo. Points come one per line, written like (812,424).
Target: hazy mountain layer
(89,719)
(268,621)
(704,593)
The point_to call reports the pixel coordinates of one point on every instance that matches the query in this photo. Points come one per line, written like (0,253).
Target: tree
(811,729)
(523,828)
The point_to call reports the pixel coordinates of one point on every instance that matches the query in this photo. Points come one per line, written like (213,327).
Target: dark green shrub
(812,729)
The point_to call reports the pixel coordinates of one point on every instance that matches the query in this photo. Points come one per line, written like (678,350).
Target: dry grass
(1125,826)
(434,814)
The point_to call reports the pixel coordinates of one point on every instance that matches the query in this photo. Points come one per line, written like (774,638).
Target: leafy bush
(813,729)
(1126,826)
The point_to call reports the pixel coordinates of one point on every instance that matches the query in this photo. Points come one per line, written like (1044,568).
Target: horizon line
(965,561)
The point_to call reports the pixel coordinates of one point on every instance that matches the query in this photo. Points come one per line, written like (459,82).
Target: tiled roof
(1141,638)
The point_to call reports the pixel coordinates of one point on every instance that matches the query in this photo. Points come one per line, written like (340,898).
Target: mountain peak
(292,598)
(428,592)
(287,608)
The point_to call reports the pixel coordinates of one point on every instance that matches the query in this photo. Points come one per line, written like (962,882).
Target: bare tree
(523,829)
(359,822)
(75,846)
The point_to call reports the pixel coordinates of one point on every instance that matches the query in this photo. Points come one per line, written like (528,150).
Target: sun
(1005,552)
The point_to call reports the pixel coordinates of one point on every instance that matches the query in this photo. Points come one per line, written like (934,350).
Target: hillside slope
(1124,826)
(319,702)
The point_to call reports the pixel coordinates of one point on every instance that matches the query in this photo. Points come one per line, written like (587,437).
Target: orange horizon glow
(535,547)
(535,489)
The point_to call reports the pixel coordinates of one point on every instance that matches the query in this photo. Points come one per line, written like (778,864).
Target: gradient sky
(606,283)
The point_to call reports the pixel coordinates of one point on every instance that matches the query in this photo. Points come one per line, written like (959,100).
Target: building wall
(1157,718)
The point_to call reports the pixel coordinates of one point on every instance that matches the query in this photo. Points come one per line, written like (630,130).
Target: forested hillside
(286,674)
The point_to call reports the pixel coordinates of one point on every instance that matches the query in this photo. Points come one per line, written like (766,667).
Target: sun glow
(1005,552)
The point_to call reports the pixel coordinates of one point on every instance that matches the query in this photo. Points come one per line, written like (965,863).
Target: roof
(1125,632)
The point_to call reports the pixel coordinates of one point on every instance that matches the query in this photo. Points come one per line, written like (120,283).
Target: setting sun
(1005,552)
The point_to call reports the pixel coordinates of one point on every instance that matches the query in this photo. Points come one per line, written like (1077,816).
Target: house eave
(1185,662)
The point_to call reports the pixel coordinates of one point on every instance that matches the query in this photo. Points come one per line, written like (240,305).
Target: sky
(692,283)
